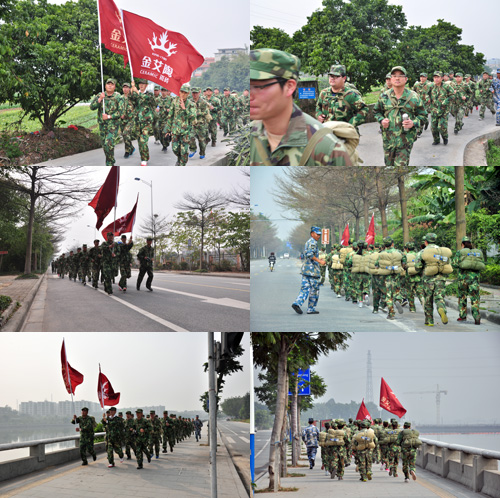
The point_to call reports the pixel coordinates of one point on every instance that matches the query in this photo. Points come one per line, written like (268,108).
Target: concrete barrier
(38,458)
(475,468)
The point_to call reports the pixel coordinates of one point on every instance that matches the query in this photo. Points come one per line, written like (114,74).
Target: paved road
(424,153)
(214,156)
(181,303)
(272,294)
(236,437)
(262,439)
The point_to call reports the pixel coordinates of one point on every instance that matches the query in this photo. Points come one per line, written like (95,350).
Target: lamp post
(150,184)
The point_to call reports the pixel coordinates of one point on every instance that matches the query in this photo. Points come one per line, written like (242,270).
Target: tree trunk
(381,201)
(293,412)
(284,448)
(404,214)
(29,237)
(460,204)
(357,228)
(366,214)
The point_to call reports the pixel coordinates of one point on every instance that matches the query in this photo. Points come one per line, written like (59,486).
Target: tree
(270,38)
(240,196)
(155,225)
(203,204)
(237,236)
(460,204)
(53,61)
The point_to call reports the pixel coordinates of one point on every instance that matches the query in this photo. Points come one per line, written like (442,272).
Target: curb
(475,150)
(15,322)
(228,275)
(237,476)
(492,317)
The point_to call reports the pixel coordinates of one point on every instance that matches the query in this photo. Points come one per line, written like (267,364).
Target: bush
(5,302)
(184,265)
(27,275)
(491,275)
(225,265)
(175,266)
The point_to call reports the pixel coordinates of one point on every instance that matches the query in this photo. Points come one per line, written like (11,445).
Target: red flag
(112,28)
(158,55)
(105,392)
(105,199)
(71,377)
(345,236)
(363,412)
(125,224)
(388,400)
(370,235)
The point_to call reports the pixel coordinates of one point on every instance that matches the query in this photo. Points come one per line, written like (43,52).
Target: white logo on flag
(163,44)
(116,35)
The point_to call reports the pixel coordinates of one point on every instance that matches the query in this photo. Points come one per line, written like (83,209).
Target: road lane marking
(230,439)
(263,448)
(227,428)
(205,285)
(435,489)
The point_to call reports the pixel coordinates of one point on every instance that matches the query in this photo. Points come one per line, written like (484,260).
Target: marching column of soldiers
(143,435)
(103,261)
(178,120)
(381,443)
(397,278)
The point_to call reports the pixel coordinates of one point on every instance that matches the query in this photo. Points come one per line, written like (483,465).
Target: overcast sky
(169,185)
(478,20)
(464,364)
(208,26)
(146,368)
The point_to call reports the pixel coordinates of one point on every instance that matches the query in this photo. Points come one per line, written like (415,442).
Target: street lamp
(150,184)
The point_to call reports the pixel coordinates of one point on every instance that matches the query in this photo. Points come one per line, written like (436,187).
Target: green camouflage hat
(423,74)
(128,412)
(267,63)
(431,237)
(227,89)
(139,410)
(459,74)
(437,73)
(208,88)
(410,245)
(388,76)
(398,68)
(126,84)
(467,75)
(152,412)
(157,87)
(354,244)
(466,239)
(407,424)
(195,89)
(111,80)
(84,408)
(112,409)
(141,80)
(388,241)
(163,89)
(185,88)
(110,233)
(337,70)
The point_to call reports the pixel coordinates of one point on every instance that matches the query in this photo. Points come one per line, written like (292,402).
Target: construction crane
(438,393)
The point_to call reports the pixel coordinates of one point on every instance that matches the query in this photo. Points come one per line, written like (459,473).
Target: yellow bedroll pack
(471,259)
(335,438)
(366,262)
(392,435)
(357,264)
(344,252)
(322,438)
(389,263)
(410,261)
(365,439)
(373,256)
(336,264)
(348,134)
(410,438)
(437,260)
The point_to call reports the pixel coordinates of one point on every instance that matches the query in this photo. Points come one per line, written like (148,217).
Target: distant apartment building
(57,409)
(229,52)
(204,67)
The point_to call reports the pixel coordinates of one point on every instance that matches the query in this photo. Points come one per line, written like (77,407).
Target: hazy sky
(464,364)
(206,25)
(169,185)
(146,368)
(478,20)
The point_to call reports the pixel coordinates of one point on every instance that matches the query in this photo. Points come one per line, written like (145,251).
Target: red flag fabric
(388,400)
(125,224)
(363,412)
(105,392)
(71,377)
(112,28)
(105,199)
(370,235)
(345,236)
(158,55)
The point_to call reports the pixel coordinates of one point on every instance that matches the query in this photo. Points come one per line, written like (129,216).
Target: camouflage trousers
(86,446)
(108,274)
(433,292)
(354,285)
(157,129)
(414,289)
(308,287)
(200,134)
(322,270)
(395,156)
(129,444)
(458,112)
(393,457)
(347,283)
(180,146)
(338,460)
(212,130)
(384,455)
(144,132)
(364,459)
(439,126)
(468,285)
(338,280)
(408,455)
(228,123)
(486,102)
(165,137)
(125,273)
(109,138)
(392,292)
(496,104)
(129,133)
(364,285)
(326,457)
(378,286)
(141,446)
(85,273)
(155,442)
(170,439)
(114,445)
(95,276)
(376,454)
(72,273)
(142,271)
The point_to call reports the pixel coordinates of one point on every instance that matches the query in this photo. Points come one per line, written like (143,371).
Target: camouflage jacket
(389,106)
(87,425)
(113,106)
(145,256)
(473,86)
(144,424)
(461,90)
(129,425)
(123,253)
(309,267)
(95,260)
(85,259)
(107,252)
(156,428)
(229,105)
(114,427)
(144,106)
(165,104)
(128,110)
(245,103)
(203,116)
(495,88)
(423,90)
(215,103)
(440,97)
(484,87)
(346,105)
(181,121)
(329,151)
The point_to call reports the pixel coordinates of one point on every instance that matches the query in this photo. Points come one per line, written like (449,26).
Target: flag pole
(128,51)
(69,377)
(100,52)
(116,197)
(102,392)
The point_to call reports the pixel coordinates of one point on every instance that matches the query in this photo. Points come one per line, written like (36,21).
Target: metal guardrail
(38,442)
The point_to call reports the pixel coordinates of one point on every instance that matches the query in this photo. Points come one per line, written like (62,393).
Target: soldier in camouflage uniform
(388,82)
(156,432)
(495,89)
(200,129)
(229,109)
(339,102)
(323,255)
(108,256)
(384,446)
(440,98)
(168,432)
(295,139)
(423,88)
(378,285)
(85,265)
(62,266)
(71,266)
(238,121)
(393,448)
(142,429)
(245,104)
(145,257)
(459,102)
(310,275)
(394,105)
(471,101)
(87,425)
(130,435)
(156,119)
(413,282)
(145,106)
(485,95)
(468,280)
(339,452)
(364,456)
(214,106)
(109,121)
(77,263)
(351,279)
(125,261)
(95,262)
(115,431)
(181,121)
(128,121)
(408,454)
(164,103)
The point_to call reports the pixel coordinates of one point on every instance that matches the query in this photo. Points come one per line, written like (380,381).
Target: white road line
(245,440)
(165,323)
(223,301)
(230,439)
(263,448)
(228,429)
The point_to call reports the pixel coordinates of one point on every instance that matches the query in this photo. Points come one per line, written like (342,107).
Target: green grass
(372,97)
(5,302)
(493,154)
(79,116)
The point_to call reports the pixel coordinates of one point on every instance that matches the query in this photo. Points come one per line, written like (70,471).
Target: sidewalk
(22,292)
(185,473)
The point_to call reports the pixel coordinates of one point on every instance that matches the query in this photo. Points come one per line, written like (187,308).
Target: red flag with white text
(112,28)
(105,199)
(363,412)
(105,392)
(125,224)
(389,401)
(345,236)
(71,377)
(370,235)
(159,55)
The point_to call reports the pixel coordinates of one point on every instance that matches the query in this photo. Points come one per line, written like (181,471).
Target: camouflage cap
(227,89)
(361,243)
(466,239)
(142,80)
(128,412)
(394,421)
(410,245)
(152,412)
(371,246)
(354,244)
(388,241)
(423,74)
(85,409)
(149,238)
(162,89)
(111,80)
(437,73)
(84,246)
(126,84)
(120,413)
(185,88)
(337,70)
(208,88)
(451,71)
(165,412)
(316,230)
(112,409)
(460,74)
(498,70)
(388,76)
(267,63)
(398,68)
(110,233)
(157,87)
(486,72)
(407,424)
(431,237)
(195,89)
(139,410)
(467,75)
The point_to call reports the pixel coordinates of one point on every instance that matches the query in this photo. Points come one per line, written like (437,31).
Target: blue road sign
(288,244)
(303,377)
(307,93)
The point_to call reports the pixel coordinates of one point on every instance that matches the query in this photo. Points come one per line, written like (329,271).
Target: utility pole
(369,383)
(212,409)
